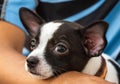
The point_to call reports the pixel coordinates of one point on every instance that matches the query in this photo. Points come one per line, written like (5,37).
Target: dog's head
(60,46)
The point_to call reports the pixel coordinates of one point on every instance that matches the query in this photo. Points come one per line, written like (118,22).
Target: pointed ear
(30,20)
(94,40)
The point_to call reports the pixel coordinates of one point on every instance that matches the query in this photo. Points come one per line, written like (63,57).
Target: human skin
(12,70)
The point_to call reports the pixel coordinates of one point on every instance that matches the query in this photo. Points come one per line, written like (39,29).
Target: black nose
(32,62)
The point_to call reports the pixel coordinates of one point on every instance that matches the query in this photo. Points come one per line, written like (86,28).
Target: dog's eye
(33,44)
(61,48)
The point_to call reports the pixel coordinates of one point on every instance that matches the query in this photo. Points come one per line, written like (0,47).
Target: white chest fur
(94,64)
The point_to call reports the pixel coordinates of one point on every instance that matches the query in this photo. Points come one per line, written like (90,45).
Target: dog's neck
(103,69)
(96,66)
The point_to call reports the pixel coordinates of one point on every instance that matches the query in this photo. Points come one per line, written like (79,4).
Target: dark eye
(33,44)
(61,48)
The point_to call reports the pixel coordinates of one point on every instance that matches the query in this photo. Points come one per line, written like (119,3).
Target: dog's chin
(39,76)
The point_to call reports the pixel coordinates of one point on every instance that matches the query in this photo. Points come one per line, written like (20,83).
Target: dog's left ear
(94,39)
(31,21)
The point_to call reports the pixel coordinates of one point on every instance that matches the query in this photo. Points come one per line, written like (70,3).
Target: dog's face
(60,46)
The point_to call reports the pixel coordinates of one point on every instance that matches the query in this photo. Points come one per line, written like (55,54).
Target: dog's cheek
(44,68)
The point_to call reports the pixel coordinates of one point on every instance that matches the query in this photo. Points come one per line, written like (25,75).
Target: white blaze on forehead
(47,32)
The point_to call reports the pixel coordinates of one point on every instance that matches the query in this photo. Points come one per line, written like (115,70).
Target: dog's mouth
(34,73)
(38,75)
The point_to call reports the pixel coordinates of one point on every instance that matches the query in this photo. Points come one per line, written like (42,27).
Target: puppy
(60,46)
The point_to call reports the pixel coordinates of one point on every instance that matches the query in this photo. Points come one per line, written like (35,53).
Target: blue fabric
(55,1)
(86,12)
(113,34)
(12,10)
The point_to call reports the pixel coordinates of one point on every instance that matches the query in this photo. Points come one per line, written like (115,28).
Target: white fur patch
(92,66)
(111,72)
(47,32)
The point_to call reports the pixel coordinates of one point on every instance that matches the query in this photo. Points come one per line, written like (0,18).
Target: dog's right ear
(31,21)
(94,39)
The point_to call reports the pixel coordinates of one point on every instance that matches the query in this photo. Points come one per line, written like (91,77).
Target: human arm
(11,60)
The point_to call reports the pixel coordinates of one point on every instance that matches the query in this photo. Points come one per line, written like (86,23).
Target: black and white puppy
(60,46)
